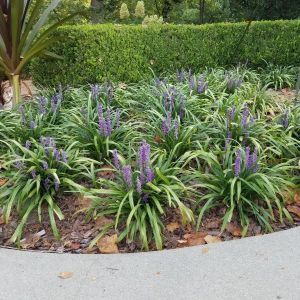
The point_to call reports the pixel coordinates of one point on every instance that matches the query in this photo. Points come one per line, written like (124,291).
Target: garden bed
(179,161)
(77,233)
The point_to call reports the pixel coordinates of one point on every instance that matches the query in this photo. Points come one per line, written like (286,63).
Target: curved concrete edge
(263,267)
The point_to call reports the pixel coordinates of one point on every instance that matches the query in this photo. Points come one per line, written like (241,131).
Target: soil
(77,233)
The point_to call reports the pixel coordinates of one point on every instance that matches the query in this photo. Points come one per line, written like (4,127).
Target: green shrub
(126,53)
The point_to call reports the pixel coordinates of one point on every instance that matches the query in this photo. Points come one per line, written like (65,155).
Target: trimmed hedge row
(92,53)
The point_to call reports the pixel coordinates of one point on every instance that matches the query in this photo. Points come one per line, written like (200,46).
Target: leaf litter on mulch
(77,233)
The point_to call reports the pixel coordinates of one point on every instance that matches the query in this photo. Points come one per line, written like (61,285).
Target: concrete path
(259,268)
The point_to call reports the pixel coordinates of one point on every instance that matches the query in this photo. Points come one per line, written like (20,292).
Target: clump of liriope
(245,184)
(140,194)
(36,174)
(98,127)
(34,119)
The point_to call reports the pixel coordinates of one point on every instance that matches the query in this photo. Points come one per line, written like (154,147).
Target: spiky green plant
(23,36)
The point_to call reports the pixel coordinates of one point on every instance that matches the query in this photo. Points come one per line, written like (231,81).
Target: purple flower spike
(116,159)
(149,175)
(46,183)
(23,117)
(42,103)
(57,154)
(127,175)
(27,144)
(108,122)
(142,178)
(45,165)
(118,113)
(245,115)
(228,139)
(146,198)
(33,174)
(95,91)
(248,158)
(138,186)
(56,185)
(285,119)
(176,126)
(144,155)
(19,164)
(33,125)
(192,83)
(237,164)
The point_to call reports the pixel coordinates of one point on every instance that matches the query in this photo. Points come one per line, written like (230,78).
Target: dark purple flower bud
(142,178)
(138,186)
(127,175)
(23,117)
(45,165)
(33,174)
(27,144)
(237,164)
(116,159)
(64,156)
(145,198)
(149,175)
(46,183)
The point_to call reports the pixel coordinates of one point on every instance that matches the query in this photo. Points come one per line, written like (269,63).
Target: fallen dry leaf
(172,226)
(294,209)
(75,246)
(83,202)
(210,239)
(196,238)
(31,240)
(2,221)
(182,241)
(65,275)
(205,250)
(297,198)
(234,229)
(213,224)
(108,244)
(102,221)
(2,181)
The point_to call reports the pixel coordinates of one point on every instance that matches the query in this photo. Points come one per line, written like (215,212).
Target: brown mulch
(77,232)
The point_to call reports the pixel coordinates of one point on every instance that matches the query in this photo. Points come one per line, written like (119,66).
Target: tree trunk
(16,89)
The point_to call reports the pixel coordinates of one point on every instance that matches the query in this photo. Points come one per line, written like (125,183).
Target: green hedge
(127,53)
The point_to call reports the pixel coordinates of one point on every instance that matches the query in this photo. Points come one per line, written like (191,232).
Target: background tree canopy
(202,11)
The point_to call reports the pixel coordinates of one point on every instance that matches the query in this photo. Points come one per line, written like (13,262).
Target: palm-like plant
(22,37)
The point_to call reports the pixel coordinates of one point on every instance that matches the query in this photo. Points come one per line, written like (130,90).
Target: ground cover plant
(152,164)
